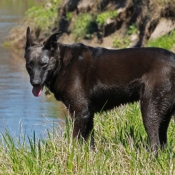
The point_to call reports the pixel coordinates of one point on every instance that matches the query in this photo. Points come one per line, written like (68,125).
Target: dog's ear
(29,39)
(51,42)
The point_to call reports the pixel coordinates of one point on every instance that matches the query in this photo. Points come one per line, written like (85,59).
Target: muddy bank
(132,23)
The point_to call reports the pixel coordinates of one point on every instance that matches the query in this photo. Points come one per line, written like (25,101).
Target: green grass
(166,41)
(121,148)
(43,16)
(132,29)
(121,43)
(102,17)
(84,26)
(69,16)
(125,41)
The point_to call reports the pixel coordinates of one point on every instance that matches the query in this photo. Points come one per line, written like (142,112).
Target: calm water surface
(19,109)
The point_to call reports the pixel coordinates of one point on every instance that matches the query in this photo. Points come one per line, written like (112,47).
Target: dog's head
(41,60)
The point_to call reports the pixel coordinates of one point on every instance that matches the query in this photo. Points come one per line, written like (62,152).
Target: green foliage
(121,43)
(102,17)
(84,26)
(43,16)
(69,16)
(166,41)
(132,29)
(121,142)
(125,41)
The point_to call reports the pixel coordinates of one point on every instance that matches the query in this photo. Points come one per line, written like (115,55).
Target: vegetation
(69,16)
(121,148)
(43,16)
(125,41)
(102,17)
(166,41)
(132,29)
(121,43)
(84,26)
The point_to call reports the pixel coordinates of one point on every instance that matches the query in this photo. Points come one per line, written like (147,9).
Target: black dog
(88,79)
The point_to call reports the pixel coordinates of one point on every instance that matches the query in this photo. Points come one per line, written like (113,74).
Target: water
(19,109)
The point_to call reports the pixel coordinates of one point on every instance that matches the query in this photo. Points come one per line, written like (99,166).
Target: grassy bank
(166,41)
(44,15)
(121,148)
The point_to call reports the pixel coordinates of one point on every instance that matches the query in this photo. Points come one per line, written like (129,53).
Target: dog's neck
(58,55)
(64,55)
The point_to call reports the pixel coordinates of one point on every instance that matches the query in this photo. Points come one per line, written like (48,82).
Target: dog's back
(114,77)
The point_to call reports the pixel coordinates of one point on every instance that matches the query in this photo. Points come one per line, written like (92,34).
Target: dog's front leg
(82,118)
(83,125)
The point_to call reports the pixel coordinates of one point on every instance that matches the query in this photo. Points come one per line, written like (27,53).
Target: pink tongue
(37,90)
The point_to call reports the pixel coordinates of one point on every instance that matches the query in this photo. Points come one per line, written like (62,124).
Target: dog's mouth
(37,90)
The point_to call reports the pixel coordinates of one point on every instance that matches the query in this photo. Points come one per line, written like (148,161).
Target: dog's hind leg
(156,109)
(163,130)
(166,108)
(151,122)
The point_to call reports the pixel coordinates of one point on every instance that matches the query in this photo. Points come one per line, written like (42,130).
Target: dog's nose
(36,82)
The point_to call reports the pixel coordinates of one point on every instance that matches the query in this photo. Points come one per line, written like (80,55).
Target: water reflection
(17,103)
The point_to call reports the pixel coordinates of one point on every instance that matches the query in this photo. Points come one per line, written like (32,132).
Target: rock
(164,26)
(85,6)
(109,27)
